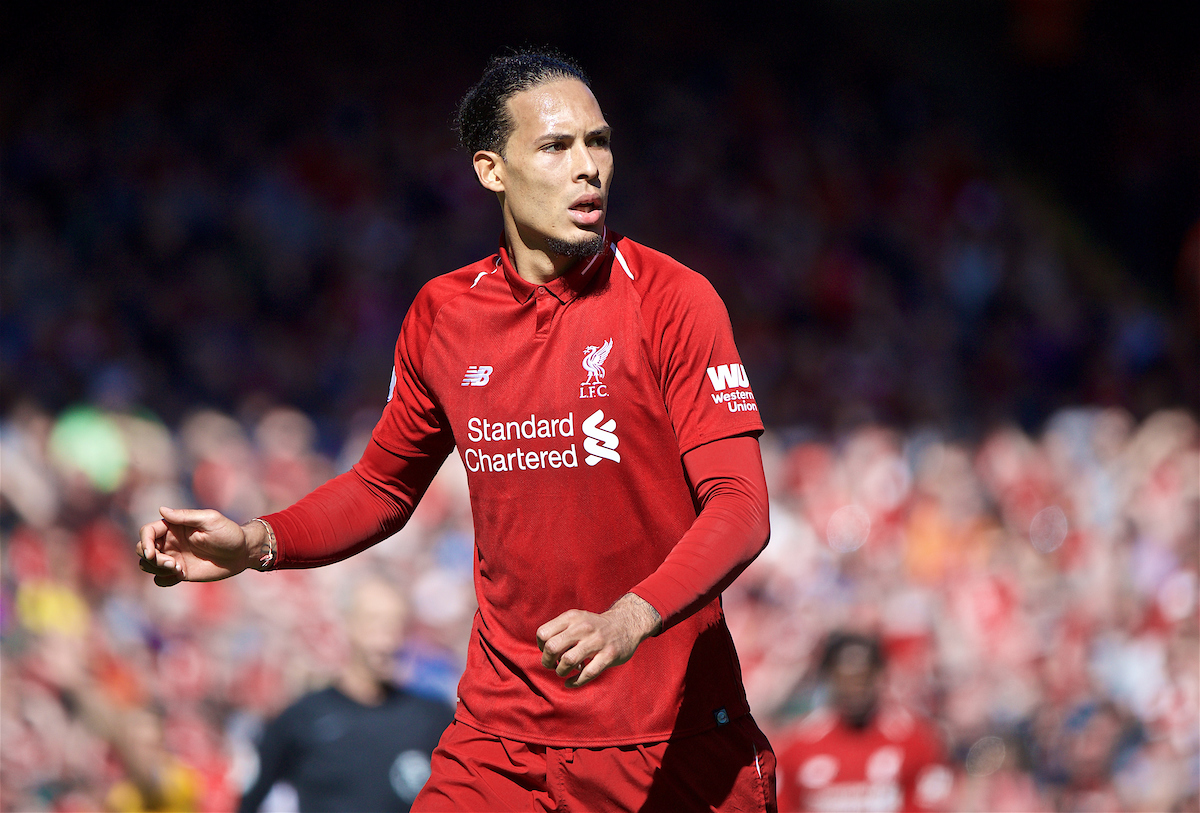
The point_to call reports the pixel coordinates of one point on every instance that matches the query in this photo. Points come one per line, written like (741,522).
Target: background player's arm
(731,529)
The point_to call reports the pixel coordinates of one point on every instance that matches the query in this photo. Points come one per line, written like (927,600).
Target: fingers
(571,642)
(192,517)
(154,561)
(165,570)
(167,580)
(579,645)
(572,660)
(553,627)
(591,670)
(560,635)
(547,632)
(147,545)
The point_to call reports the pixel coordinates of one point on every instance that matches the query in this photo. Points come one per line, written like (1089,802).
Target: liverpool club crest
(593,365)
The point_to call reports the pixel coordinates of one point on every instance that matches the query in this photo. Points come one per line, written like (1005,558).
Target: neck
(360,685)
(535,265)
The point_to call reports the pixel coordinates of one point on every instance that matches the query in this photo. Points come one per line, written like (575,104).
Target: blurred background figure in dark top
(363,743)
(860,752)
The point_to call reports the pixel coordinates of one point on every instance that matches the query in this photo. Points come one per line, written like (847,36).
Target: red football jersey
(571,404)
(895,763)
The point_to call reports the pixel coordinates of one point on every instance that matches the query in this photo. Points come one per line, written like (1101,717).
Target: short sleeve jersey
(571,404)
(896,762)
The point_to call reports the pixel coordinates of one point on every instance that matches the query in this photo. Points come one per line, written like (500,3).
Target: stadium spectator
(861,752)
(154,778)
(1111,614)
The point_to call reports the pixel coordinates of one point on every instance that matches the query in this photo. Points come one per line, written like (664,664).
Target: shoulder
(899,724)
(311,704)
(655,270)
(667,288)
(297,717)
(445,288)
(813,727)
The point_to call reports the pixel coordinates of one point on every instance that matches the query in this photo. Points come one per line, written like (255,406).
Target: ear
(489,168)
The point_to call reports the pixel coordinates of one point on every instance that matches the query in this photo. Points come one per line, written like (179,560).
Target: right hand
(194,545)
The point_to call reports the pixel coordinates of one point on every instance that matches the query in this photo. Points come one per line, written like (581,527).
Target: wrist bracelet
(267,562)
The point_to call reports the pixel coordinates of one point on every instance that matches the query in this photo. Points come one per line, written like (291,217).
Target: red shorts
(731,767)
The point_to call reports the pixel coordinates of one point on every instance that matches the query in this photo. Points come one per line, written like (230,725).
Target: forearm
(730,531)
(353,510)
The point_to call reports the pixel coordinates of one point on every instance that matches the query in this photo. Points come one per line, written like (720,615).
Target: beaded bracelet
(267,562)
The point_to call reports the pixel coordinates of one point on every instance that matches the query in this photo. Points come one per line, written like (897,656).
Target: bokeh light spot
(1048,529)
(986,756)
(848,528)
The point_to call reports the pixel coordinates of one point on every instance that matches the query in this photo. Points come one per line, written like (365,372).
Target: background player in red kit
(594,393)
(860,753)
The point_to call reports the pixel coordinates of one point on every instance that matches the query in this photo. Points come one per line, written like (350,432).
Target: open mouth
(586,212)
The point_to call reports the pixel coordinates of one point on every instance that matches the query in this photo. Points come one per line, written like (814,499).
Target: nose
(586,168)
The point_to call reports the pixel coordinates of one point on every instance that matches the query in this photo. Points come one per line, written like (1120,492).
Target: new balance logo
(477,376)
(601,442)
(728,375)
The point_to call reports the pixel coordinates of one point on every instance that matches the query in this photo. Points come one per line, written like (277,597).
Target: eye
(601,141)
(554,146)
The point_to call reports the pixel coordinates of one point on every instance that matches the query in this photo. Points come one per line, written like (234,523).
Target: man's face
(854,684)
(375,626)
(556,168)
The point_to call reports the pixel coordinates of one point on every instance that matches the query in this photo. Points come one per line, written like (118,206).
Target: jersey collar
(566,287)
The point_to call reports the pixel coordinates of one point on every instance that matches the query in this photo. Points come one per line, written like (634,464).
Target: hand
(196,546)
(590,642)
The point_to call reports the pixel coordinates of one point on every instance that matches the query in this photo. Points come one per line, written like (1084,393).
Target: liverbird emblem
(593,362)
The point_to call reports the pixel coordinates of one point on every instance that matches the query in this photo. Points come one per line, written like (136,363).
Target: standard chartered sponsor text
(482,430)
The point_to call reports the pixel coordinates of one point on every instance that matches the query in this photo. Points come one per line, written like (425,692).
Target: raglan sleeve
(413,423)
(715,419)
(376,497)
(704,383)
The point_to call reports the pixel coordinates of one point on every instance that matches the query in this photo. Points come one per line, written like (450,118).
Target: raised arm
(349,513)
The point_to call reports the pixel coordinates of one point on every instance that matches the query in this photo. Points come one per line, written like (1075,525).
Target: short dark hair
(482,118)
(840,640)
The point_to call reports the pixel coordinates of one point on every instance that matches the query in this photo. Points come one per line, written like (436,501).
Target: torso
(557,398)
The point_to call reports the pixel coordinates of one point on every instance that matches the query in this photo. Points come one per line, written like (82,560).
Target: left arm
(730,531)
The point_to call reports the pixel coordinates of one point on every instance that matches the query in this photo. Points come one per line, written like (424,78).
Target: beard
(587,247)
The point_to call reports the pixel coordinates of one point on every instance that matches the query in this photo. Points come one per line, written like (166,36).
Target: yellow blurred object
(181,787)
(46,607)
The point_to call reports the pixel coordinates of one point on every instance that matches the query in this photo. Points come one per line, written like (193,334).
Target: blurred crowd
(207,243)
(1036,596)
(216,226)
